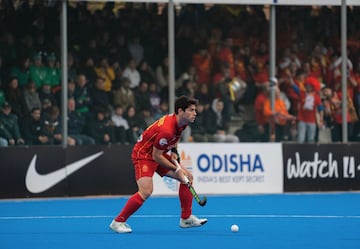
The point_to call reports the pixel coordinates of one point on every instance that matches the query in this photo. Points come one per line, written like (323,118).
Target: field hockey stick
(200,201)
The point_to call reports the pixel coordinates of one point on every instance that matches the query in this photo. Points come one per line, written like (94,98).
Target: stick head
(203,202)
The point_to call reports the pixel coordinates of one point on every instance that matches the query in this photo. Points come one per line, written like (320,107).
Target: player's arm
(176,156)
(158,156)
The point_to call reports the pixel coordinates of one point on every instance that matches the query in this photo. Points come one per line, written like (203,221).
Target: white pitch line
(268,216)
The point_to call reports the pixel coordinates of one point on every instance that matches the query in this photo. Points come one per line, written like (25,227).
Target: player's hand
(181,172)
(181,175)
(174,156)
(188,174)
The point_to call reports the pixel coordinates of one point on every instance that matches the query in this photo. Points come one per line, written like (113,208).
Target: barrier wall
(244,168)
(75,171)
(326,167)
(229,168)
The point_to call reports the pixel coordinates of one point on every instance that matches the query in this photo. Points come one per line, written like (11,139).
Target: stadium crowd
(118,71)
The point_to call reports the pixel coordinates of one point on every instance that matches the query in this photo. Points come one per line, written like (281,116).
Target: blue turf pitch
(329,221)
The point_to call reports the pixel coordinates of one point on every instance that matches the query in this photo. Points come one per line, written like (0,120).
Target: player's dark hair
(184,102)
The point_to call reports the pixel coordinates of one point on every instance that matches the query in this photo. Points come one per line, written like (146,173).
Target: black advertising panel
(45,171)
(19,165)
(323,167)
(110,171)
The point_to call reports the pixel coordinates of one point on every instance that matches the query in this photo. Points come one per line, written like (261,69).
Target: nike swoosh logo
(37,183)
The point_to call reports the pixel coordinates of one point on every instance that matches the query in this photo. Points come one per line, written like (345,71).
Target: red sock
(133,204)
(185,201)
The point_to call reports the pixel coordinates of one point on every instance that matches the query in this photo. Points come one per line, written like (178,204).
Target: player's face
(190,113)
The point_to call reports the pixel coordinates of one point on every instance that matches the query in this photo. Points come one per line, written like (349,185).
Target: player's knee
(146,193)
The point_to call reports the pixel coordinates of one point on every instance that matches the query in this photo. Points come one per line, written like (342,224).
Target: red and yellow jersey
(308,107)
(163,134)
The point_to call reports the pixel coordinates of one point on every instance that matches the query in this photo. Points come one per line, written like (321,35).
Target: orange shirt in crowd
(281,112)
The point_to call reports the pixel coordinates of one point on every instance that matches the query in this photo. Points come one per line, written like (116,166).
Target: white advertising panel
(223,168)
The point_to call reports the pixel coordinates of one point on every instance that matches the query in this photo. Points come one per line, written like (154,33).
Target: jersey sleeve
(162,140)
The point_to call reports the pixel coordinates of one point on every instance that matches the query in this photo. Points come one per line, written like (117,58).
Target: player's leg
(187,220)
(145,188)
(145,185)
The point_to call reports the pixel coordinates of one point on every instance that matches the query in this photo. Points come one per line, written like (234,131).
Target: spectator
(188,89)
(46,106)
(121,126)
(221,75)
(56,93)
(45,93)
(100,129)
(225,55)
(310,106)
(76,125)
(11,123)
(154,98)
(203,63)
(104,71)
(190,74)
(37,70)
(32,128)
(132,74)
(71,87)
(53,72)
(146,72)
(333,114)
(100,98)
(123,95)
(228,96)
(14,96)
(82,95)
(142,97)
(203,95)
(240,60)
(259,63)
(163,110)
(198,132)
(216,125)
(88,70)
(31,98)
(118,78)
(162,74)
(52,127)
(145,114)
(136,124)
(22,71)
(277,120)
(289,86)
